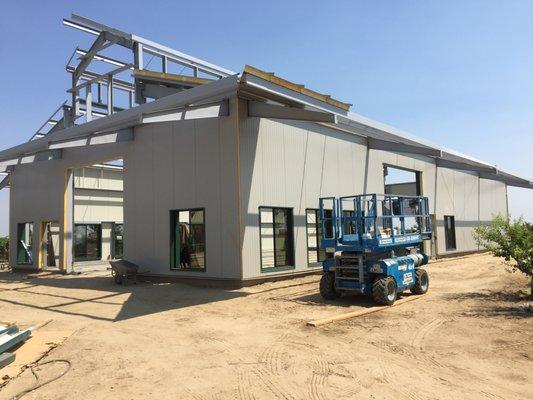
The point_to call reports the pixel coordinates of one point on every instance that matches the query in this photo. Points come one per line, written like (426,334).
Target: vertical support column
(75,101)
(88,103)
(507,201)
(68,223)
(67,117)
(478,202)
(367,161)
(138,55)
(434,234)
(109,94)
(195,72)
(99,92)
(164,64)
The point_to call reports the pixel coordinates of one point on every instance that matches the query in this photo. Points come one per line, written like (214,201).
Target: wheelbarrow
(121,270)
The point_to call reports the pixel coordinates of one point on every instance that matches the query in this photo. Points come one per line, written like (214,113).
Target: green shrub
(511,239)
(4,249)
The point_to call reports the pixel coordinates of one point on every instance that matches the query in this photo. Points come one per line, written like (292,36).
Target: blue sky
(457,72)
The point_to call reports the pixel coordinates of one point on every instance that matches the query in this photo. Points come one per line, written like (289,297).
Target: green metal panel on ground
(8,341)
(6,359)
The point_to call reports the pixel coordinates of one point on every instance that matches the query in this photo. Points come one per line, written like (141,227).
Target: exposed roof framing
(271,77)
(179,97)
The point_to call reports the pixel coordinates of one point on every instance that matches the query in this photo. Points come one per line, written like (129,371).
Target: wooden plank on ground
(354,314)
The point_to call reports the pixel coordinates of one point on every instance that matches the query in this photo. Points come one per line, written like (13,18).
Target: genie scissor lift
(372,243)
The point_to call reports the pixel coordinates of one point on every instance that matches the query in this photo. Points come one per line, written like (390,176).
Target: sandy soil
(469,338)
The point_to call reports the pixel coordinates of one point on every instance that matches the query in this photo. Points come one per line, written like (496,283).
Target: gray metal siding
(183,165)
(292,164)
(37,190)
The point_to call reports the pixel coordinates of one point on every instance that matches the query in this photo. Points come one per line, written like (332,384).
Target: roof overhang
(268,96)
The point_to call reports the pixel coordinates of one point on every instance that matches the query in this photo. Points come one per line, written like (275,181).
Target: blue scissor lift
(373,245)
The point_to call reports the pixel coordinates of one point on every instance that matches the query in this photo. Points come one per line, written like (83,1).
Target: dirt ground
(470,337)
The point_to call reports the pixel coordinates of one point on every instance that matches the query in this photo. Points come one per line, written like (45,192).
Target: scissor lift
(373,245)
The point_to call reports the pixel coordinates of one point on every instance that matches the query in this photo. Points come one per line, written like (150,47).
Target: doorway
(402,182)
(50,231)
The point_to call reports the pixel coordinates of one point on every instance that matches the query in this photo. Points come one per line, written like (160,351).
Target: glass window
(24,243)
(276,231)
(315,254)
(449,232)
(188,239)
(87,242)
(118,241)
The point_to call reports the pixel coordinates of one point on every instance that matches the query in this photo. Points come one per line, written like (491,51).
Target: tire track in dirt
(276,389)
(318,382)
(272,356)
(419,338)
(244,388)
(391,377)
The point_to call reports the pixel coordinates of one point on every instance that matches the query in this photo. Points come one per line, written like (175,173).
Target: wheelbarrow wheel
(118,278)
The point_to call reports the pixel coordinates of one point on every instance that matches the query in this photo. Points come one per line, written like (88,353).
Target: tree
(511,239)
(4,248)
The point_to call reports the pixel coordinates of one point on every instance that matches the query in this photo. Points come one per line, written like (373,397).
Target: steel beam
(213,110)
(122,135)
(5,182)
(87,58)
(49,155)
(265,110)
(378,144)
(156,91)
(444,163)
(100,78)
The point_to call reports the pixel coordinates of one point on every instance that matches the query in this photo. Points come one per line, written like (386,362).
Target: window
(276,238)
(315,254)
(449,232)
(188,239)
(24,243)
(87,242)
(118,241)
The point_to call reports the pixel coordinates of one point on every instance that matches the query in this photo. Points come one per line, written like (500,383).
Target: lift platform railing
(375,219)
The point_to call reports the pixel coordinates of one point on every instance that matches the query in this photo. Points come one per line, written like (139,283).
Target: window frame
(446,232)
(114,235)
(318,226)
(173,249)
(292,250)
(30,261)
(99,224)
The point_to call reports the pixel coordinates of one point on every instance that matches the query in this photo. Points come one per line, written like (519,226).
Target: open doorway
(405,182)
(98,214)
(401,182)
(50,256)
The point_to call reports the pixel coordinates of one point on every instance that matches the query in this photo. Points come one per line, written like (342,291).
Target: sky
(459,73)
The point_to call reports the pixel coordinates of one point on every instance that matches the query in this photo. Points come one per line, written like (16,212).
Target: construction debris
(10,337)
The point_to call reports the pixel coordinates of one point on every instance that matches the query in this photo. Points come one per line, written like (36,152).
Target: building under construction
(191,170)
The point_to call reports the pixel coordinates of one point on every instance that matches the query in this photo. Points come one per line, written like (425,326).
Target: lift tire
(384,290)
(421,282)
(327,286)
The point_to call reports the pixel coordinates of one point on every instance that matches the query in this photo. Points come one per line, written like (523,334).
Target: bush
(4,249)
(511,239)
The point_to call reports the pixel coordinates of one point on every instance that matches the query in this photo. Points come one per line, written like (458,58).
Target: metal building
(221,171)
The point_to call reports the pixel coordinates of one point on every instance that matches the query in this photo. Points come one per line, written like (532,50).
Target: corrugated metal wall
(183,165)
(292,164)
